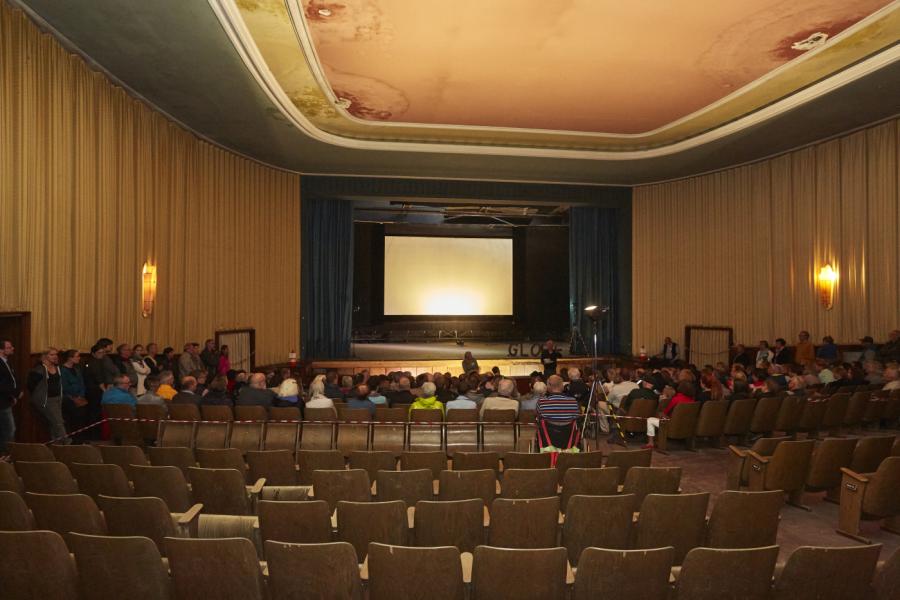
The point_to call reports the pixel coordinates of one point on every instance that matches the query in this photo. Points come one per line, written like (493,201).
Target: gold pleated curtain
(741,248)
(93,183)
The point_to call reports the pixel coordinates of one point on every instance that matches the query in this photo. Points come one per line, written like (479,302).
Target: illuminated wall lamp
(826,282)
(148,289)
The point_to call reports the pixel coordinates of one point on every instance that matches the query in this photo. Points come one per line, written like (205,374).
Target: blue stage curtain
(326,290)
(594,276)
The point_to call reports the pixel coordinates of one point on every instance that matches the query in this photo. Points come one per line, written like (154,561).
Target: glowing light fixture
(148,289)
(590,308)
(827,280)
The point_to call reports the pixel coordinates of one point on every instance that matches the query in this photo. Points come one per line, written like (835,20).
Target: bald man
(255,392)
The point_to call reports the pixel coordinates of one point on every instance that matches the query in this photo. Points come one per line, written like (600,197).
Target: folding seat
(829,457)
(640,409)
(425,430)
(738,468)
(625,459)
(875,409)
(458,523)
(49,571)
(812,416)
(9,479)
(785,470)
(119,567)
(582,460)
(498,432)
(711,422)
(887,580)
(315,435)
(221,458)
(282,435)
(744,519)
(93,480)
(46,477)
(409,486)
(765,415)
(835,411)
(658,526)
(641,481)
(870,451)
(598,521)
(14,513)
(527,460)
(151,416)
(529,483)
(172,456)
(462,431)
(789,414)
(167,483)
(80,453)
(248,436)
(589,482)
(30,452)
(526,430)
(531,523)
(215,428)
(811,573)
(373,461)
(124,456)
(352,433)
(681,426)
(361,523)
(436,461)
(333,486)
(66,513)
(310,461)
(148,517)
(313,571)
(474,461)
(224,491)
(870,496)
(214,568)
(390,437)
(518,574)
(306,522)
(178,430)
(403,573)
(125,431)
(275,466)
(891,414)
(740,415)
(604,573)
(713,574)
(466,485)
(856,410)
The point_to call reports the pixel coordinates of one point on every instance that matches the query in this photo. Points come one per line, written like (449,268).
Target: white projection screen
(447,276)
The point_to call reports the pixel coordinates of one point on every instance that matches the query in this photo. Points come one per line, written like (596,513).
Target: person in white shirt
(764,355)
(891,377)
(619,388)
(317,397)
(504,399)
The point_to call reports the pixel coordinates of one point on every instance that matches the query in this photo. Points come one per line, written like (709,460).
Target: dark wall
(545,270)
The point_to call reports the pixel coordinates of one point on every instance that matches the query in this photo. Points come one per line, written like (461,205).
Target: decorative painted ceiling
(576,78)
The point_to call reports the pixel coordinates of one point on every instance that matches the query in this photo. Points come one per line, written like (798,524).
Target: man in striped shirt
(557,413)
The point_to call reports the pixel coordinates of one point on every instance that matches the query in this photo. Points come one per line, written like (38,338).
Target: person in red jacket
(684,394)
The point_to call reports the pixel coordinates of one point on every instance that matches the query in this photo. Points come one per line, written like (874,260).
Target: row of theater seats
(131,567)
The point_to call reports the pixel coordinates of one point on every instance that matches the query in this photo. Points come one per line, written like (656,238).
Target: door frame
(252,333)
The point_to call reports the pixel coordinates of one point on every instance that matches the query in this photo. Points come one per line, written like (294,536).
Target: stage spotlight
(590,308)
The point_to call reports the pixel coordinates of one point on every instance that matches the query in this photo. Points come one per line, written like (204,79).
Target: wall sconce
(826,282)
(148,289)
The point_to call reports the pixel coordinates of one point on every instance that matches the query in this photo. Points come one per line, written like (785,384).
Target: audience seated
(503,400)
(255,393)
(427,400)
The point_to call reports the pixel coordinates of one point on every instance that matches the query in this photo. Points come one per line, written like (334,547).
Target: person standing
(74,391)
(669,352)
(224,362)
(189,362)
(150,359)
(469,363)
(45,388)
(210,358)
(141,368)
(10,393)
(549,357)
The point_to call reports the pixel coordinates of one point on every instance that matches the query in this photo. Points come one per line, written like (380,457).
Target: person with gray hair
(428,399)
(317,397)
(529,401)
(255,393)
(504,399)
(45,389)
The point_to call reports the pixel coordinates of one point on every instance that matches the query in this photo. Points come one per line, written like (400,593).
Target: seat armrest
(737,451)
(189,521)
(854,475)
(257,487)
(757,457)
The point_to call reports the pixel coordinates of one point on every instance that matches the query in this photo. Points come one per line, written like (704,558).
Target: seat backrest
(436,461)
(214,568)
(856,408)
(518,573)
(14,513)
(172,456)
(740,415)
(391,415)
(835,411)
(289,413)
(151,415)
(353,436)
(361,523)
(96,479)
(583,460)
(318,436)
(426,415)
(49,571)
(828,458)
(531,523)
(465,485)
(589,482)
(711,574)
(184,412)
(529,483)
(458,523)
(66,513)
(46,477)
(598,521)
(814,572)
(641,481)
(683,423)
(167,483)
(711,422)
(789,465)
(641,407)
(281,436)
(220,491)
(625,459)
(372,461)
(390,437)
(30,452)
(887,580)
(474,461)
(332,486)
(462,430)
(9,479)
(221,458)
(658,526)
(275,466)
(309,571)
(883,494)
(409,486)
(404,572)
(124,456)
(80,453)
(606,573)
(119,567)
(744,519)
(870,451)
(526,460)
(255,412)
(122,428)
(789,414)
(142,516)
(307,522)
(318,460)
(765,414)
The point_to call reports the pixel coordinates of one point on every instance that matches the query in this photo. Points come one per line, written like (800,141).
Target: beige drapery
(93,183)
(741,247)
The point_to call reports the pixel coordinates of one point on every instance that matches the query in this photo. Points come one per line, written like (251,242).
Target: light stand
(595,313)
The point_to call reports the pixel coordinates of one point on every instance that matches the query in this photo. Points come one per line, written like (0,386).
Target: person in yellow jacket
(428,399)
(166,390)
